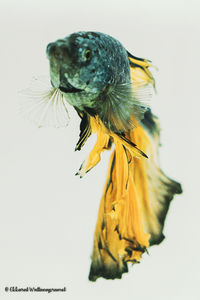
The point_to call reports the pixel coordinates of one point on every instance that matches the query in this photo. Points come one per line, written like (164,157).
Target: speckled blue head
(92,70)
(87,63)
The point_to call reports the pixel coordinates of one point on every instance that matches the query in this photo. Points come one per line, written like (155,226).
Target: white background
(48,215)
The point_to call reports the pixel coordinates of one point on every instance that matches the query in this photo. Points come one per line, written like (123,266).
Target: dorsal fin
(139,70)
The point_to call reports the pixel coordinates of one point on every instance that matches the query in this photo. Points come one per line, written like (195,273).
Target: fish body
(107,86)
(109,89)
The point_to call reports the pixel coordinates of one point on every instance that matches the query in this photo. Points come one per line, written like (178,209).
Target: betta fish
(110,90)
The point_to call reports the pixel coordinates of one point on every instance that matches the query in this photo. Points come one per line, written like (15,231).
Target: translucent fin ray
(43,105)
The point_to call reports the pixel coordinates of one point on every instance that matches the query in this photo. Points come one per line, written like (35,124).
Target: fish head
(80,62)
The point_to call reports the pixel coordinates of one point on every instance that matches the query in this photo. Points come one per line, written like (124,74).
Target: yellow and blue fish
(110,88)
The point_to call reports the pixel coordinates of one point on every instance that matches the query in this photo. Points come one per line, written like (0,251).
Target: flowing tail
(137,194)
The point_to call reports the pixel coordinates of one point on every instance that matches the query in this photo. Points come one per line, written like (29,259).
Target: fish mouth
(68,88)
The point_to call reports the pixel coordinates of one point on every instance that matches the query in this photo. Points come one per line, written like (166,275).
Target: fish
(110,89)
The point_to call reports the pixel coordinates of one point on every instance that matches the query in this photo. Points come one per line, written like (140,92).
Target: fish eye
(87,54)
